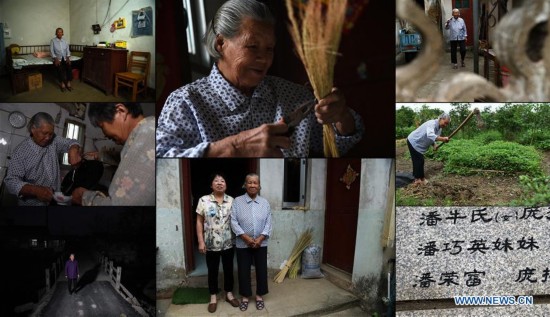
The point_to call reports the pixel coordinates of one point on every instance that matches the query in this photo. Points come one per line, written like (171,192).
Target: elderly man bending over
(33,171)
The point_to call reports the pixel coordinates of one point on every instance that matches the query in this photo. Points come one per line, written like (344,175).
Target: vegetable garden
(503,160)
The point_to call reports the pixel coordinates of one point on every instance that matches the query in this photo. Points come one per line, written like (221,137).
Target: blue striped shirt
(32,164)
(251,217)
(425,135)
(59,49)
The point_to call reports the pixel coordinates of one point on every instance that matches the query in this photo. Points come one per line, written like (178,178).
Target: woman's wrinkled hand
(333,109)
(44,194)
(266,140)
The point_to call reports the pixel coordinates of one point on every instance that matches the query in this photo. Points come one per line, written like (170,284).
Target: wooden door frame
(185,169)
(187,212)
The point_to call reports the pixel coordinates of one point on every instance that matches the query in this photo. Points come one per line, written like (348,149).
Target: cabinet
(100,66)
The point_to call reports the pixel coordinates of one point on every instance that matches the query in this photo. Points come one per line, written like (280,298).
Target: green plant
(467,157)
(403,132)
(401,199)
(536,191)
(538,138)
(488,137)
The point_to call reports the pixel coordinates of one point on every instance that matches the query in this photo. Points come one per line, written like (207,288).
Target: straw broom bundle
(317,40)
(299,246)
(293,271)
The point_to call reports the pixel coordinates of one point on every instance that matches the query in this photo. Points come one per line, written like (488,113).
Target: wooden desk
(489,55)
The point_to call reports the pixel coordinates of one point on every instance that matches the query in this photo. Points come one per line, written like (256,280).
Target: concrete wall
(289,224)
(83,16)
(34,22)
(373,199)
(170,255)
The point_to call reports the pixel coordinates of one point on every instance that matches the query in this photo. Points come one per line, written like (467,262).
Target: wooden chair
(135,75)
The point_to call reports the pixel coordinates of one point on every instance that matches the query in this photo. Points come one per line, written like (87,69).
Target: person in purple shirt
(71,273)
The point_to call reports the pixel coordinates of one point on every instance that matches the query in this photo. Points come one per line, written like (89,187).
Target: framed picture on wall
(77,110)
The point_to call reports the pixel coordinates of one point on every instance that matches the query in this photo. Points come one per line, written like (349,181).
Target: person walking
(71,273)
(457,37)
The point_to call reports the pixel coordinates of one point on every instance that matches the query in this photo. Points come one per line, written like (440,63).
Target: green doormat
(187,295)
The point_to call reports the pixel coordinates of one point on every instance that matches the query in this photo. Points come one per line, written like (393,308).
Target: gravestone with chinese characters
(443,252)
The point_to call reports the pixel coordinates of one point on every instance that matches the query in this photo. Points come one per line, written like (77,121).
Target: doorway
(196,183)
(342,209)
(466,13)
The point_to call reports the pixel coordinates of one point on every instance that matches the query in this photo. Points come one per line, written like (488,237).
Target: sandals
(260,304)
(243,306)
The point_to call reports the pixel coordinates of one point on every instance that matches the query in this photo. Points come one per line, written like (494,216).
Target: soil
(485,189)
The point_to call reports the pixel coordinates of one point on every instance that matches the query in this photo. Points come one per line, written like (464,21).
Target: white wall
(17,135)
(373,199)
(288,225)
(83,16)
(34,22)
(170,255)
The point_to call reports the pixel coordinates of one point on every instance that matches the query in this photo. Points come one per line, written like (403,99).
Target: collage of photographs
(275,158)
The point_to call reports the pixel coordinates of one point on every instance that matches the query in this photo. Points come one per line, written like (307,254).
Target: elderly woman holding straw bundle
(216,239)
(238,110)
(251,223)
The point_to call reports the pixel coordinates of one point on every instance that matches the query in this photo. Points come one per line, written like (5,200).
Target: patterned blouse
(211,109)
(134,181)
(32,164)
(217,225)
(252,217)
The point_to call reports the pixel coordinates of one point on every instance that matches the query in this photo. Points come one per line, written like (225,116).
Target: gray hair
(444,116)
(456,10)
(38,119)
(227,21)
(251,175)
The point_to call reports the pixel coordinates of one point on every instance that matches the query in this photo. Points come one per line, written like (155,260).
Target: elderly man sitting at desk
(33,171)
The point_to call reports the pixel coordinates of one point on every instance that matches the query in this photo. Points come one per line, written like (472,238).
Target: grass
(187,295)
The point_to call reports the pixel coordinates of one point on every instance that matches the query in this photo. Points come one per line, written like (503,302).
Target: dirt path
(456,190)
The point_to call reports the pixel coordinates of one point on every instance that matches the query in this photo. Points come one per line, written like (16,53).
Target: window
(198,14)
(34,242)
(73,130)
(294,184)
(190,27)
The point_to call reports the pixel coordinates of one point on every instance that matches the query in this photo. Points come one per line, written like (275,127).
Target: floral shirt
(217,223)
(134,181)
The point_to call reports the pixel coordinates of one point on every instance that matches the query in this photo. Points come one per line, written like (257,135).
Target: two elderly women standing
(219,219)
(237,110)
